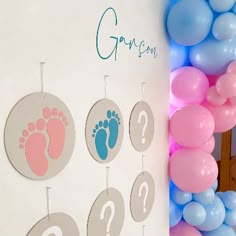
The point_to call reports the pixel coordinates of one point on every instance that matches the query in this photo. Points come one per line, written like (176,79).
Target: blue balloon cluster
(203,34)
(211,213)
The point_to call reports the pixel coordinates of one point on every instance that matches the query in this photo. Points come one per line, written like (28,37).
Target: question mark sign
(144,185)
(110,205)
(143,114)
(54,230)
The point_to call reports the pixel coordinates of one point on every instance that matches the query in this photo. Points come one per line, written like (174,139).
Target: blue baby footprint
(100,135)
(113,124)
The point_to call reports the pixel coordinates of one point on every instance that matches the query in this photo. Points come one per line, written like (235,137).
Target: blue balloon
(180,197)
(178,55)
(205,197)
(194,214)
(175,214)
(213,56)
(215,185)
(221,5)
(224,27)
(230,217)
(234,9)
(223,230)
(229,199)
(189,21)
(215,215)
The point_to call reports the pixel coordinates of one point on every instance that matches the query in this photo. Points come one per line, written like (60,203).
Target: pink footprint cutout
(56,131)
(34,142)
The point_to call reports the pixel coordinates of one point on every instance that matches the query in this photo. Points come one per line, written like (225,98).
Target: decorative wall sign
(39,136)
(107,215)
(141,126)
(104,130)
(142,197)
(56,224)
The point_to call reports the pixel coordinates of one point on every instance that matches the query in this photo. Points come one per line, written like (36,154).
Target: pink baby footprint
(56,122)
(34,142)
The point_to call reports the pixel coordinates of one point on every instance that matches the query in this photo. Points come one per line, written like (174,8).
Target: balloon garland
(202,102)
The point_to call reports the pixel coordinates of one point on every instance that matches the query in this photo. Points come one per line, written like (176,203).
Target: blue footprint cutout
(100,134)
(113,125)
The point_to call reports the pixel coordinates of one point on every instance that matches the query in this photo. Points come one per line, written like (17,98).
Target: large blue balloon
(215,215)
(180,197)
(224,27)
(205,197)
(213,56)
(175,214)
(229,199)
(189,21)
(221,5)
(223,230)
(178,55)
(230,217)
(194,214)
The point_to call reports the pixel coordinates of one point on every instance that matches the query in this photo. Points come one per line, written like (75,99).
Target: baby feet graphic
(44,139)
(100,133)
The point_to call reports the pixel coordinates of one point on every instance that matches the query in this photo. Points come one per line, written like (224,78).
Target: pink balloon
(232,100)
(209,145)
(184,229)
(226,85)
(172,109)
(214,98)
(224,116)
(193,170)
(232,67)
(188,86)
(191,126)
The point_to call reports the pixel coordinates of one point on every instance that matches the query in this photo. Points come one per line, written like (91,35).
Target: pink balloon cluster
(191,167)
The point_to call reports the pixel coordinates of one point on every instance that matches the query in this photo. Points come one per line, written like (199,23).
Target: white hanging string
(143,87)
(105,85)
(107,178)
(42,75)
(48,201)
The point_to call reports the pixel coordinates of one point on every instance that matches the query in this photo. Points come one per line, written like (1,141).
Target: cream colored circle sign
(39,136)
(107,214)
(104,131)
(142,197)
(141,126)
(56,224)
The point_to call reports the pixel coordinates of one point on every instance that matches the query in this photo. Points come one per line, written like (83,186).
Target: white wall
(63,34)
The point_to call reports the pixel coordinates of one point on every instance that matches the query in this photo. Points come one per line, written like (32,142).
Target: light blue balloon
(224,27)
(221,5)
(178,55)
(213,56)
(175,214)
(230,217)
(223,230)
(180,197)
(215,185)
(215,215)
(194,214)
(205,197)
(229,199)
(189,21)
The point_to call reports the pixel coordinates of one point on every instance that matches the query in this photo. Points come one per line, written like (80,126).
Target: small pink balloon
(184,229)
(191,126)
(172,110)
(209,145)
(193,170)
(214,98)
(188,86)
(232,67)
(232,100)
(226,85)
(224,116)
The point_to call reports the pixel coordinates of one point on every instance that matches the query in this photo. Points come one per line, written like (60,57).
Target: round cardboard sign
(104,130)
(141,126)
(107,214)
(142,197)
(56,224)
(39,136)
